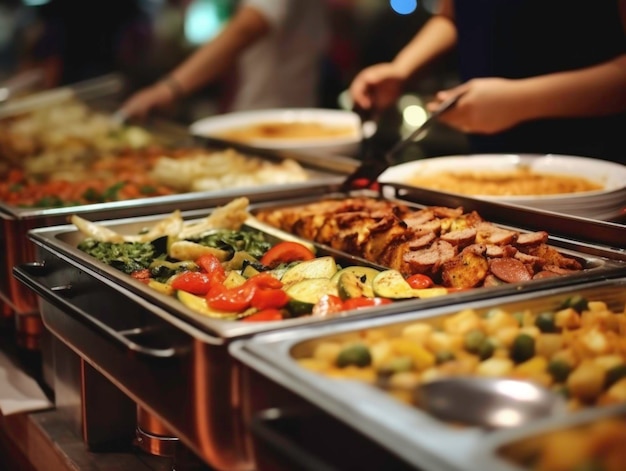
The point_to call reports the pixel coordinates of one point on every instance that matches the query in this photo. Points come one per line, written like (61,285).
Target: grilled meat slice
(455,248)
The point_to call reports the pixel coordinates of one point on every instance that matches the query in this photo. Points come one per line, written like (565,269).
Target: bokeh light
(204,19)
(403,7)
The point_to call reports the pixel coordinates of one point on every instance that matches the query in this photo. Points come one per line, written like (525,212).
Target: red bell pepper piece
(265,280)
(212,266)
(267,298)
(194,282)
(230,299)
(264,315)
(286,252)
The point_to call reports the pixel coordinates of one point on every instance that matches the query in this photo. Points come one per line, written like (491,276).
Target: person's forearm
(214,58)
(595,91)
(436,37)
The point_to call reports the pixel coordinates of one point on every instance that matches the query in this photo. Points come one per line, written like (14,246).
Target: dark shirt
(524,38)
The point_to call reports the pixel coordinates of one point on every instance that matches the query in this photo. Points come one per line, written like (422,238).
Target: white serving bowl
(215,126)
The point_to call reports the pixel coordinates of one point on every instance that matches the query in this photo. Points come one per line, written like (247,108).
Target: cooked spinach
(125,256)
(234,241)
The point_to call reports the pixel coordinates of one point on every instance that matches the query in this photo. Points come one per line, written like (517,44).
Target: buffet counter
(49,440)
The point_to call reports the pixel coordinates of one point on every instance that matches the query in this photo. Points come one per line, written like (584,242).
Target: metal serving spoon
(487,402)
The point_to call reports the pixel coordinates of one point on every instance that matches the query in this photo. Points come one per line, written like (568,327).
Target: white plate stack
(601,204)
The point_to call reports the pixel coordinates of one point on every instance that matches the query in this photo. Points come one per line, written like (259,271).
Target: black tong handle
(371,168)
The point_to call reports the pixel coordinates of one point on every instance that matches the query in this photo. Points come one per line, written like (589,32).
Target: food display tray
(297,402)
(15,222)
(140,338)
(63,240)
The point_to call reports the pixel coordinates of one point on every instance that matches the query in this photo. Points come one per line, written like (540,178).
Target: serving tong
(372,165)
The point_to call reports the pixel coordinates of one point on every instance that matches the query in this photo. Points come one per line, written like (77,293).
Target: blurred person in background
(276,48)
(536,76)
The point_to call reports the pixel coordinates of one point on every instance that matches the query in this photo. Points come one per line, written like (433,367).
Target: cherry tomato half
(420,281)
(361,302)
(327,305)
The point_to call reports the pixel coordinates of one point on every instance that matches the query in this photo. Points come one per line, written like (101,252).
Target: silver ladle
(487,402)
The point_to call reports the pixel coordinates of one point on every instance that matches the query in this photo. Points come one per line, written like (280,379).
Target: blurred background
(67,41)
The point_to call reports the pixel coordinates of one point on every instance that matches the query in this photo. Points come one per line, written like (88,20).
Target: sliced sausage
(509,269)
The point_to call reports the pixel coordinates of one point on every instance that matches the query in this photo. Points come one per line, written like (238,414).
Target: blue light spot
(203,21)
(403,7)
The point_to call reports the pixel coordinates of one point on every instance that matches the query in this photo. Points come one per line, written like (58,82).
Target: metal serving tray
(15,222)
(314,405)
(139,338)
(104,90)
(158,352)
(63,241)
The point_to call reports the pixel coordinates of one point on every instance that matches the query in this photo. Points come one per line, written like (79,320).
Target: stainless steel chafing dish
(162,355)
(101,94)
(301,419)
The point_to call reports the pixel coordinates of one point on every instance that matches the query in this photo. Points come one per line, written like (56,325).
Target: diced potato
(531,330)
(597,306)
(606,362)
(586,381)
(404,380)
(431,374)
(443,341)
(380,352)
(567,356)
(463,322)
(498,320)
(495,367)
(546,345)
(595,342)
(372,336)
(567,319)
(616,393)
(418,332)
(327,351)
(534,367)
(507,335)
(422,358)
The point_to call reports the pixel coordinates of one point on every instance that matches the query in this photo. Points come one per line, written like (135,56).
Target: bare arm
(215,57)
(435,38)
(492,104)
(204,66)
(594,91)
(380,85)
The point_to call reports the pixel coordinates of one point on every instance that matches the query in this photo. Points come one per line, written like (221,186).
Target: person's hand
(377,87)
(155,97)
(488,106)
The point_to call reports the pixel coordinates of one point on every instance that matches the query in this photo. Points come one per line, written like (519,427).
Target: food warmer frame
(287,404)
(101,95)
(175,364)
